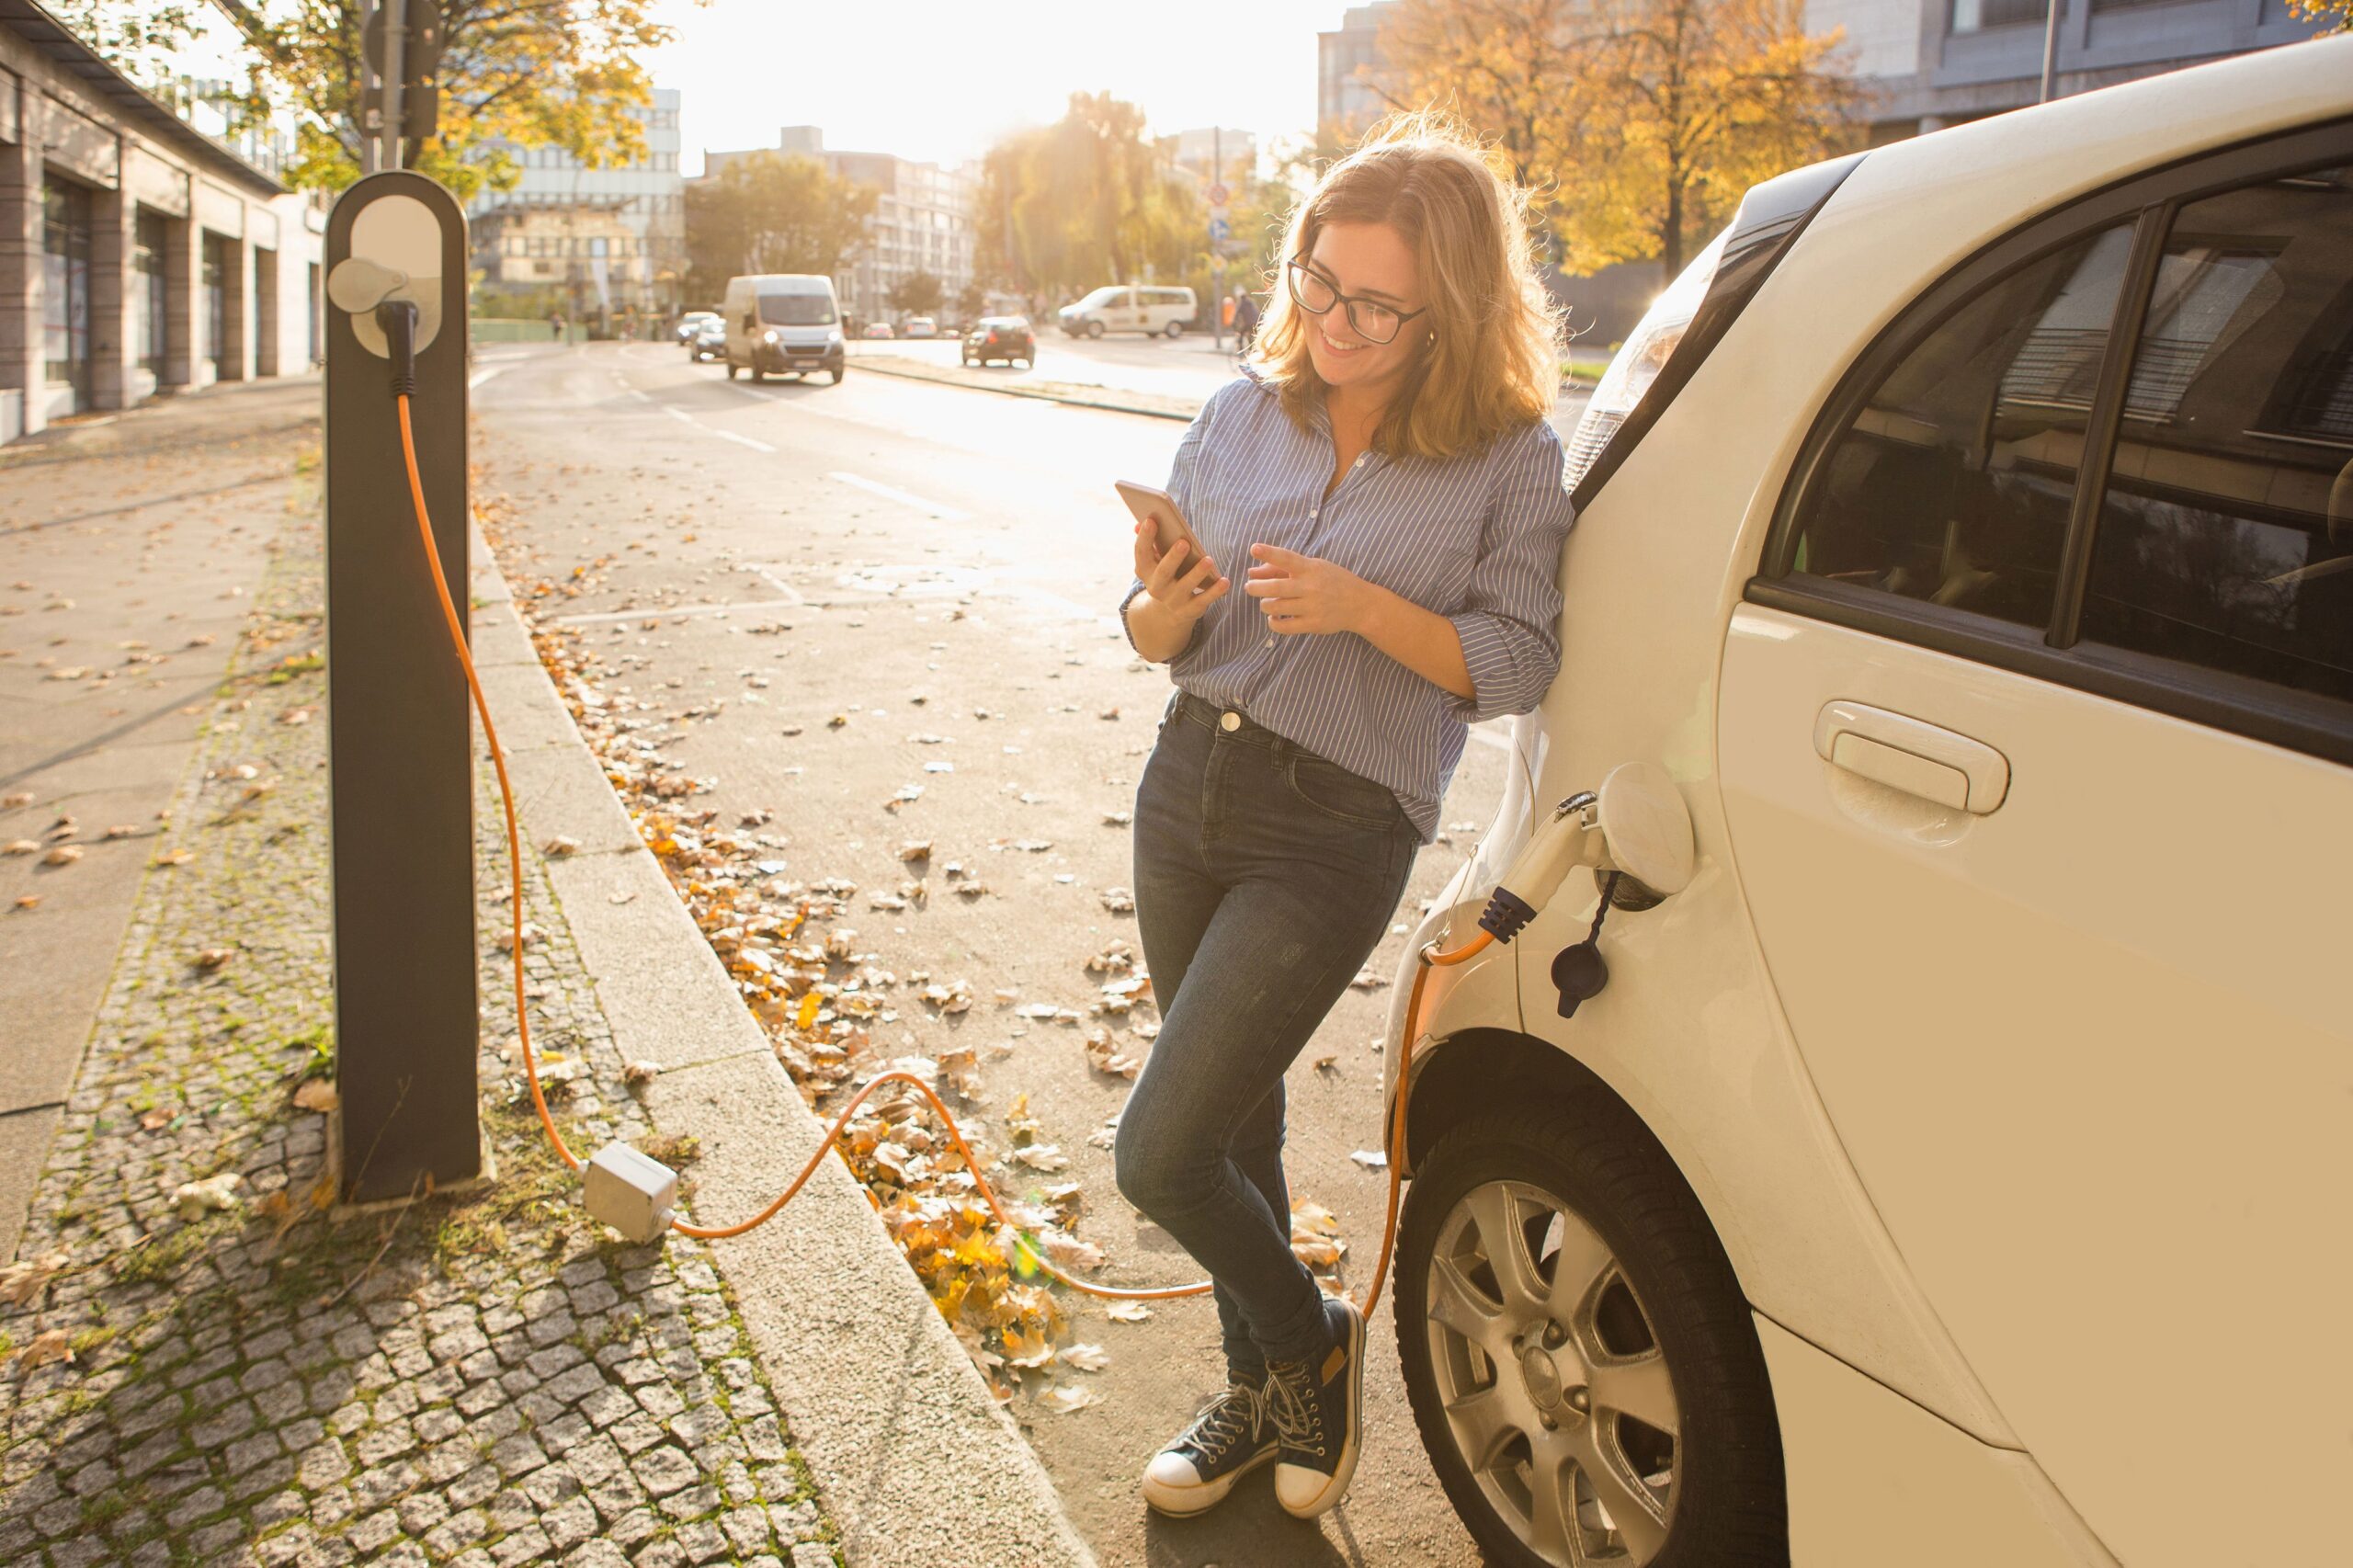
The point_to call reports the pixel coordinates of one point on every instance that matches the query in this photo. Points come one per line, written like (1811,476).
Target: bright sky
(939,80)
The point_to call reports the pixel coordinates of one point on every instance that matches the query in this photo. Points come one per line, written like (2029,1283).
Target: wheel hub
(1554,1394)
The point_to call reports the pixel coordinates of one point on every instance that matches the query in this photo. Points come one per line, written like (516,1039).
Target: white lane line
(480,376)
(802,405)
(944,513)
(683,417)
(742,440)
(768,574)
(664,613)
(680,414)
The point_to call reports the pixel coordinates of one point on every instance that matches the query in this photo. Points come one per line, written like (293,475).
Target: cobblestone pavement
(480,1379)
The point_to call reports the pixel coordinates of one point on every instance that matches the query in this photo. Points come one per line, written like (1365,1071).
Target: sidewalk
(199,1360)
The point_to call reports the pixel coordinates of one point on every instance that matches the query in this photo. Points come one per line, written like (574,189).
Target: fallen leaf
(20,846)
(197,1199)
(120,830)
(1068,1397)
(63,854)
(1043,1157)
(559,845)
(1086,1358)
(56,1344)
(1119,900)
(28,901)
(1367,979)
(317,1093)
(27,1277)
(1371,1159)
(175,858)
(1129,1312)
(211,959)
(21,798)
(638,1073)
(154,1120)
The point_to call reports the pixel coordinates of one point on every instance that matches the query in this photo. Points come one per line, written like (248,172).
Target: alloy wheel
(1555,1391)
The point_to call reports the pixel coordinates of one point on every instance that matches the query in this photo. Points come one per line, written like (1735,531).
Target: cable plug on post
(397,320)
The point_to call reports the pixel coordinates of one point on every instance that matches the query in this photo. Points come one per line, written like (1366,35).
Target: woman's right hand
(1181,588)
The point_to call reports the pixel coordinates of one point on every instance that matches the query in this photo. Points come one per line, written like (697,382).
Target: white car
(922,326)
(1959,1170)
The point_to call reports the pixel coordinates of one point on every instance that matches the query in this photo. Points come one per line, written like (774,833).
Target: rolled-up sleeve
(1181,488)
(1510,616)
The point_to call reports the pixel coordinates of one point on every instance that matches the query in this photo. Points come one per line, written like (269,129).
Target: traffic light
(420,96)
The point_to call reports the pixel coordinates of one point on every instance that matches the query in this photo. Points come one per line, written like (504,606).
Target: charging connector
(397,320)
(631,1192)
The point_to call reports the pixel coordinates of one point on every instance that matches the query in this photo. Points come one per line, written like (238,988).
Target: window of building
(151,310)
(215,314)
(65,285)
(1952,483)
(1976,16)
(2225,536)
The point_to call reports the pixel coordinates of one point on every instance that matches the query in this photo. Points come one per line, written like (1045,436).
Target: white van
(787,322)
(1130,307)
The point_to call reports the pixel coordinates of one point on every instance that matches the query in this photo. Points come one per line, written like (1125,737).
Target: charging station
(400,739)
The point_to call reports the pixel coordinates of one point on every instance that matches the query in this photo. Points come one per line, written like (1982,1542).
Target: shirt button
(1270,641)
(1229,719)
(1311,513)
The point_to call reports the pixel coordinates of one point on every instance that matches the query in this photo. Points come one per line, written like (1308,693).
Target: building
(1929,64)
(1209,155)
(139,254)
(1348,66)
(922,220)
(559,199)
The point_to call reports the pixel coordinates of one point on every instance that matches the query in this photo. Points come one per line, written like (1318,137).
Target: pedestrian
(1387,468)
(1226,312)
(555,326)
(1246,321)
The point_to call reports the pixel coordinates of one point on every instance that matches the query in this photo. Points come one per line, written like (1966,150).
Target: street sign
(1220,231)
(1218,195)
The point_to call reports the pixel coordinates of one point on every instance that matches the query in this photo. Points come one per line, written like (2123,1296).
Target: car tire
(838,372)
(759,375)
(964,358)
(731,370)
(1663,1295)
(1175,330)
(1095,329)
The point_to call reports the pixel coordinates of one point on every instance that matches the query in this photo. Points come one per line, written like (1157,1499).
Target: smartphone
(1159,508)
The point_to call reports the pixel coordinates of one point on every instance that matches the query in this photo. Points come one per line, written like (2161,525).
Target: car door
(2035,740)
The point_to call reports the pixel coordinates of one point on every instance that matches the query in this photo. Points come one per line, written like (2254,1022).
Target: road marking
(680,414)
(683,417)
(655,613)
(767,574)
(480,376)
(741,441)
(946,514)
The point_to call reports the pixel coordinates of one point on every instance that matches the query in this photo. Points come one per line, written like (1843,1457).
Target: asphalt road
(913,557)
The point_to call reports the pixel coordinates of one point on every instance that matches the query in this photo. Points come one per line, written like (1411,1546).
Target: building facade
(561,201)
(1348,65)
(137,255)
(1929,64)
(922,220)
(1212,154)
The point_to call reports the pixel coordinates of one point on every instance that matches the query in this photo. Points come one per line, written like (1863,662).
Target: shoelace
(1298,1419)
(1226,1422)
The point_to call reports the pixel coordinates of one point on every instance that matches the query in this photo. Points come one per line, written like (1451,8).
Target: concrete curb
(914,1462)
(1106,398)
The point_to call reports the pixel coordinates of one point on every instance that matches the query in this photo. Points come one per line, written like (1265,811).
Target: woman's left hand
(1303,594)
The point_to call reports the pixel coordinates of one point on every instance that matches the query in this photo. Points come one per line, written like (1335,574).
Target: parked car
(1129,307)
(1000,338)
(709,341)
(922,326)
(783,323)
(1947,1173)
(877,329)
(693,323)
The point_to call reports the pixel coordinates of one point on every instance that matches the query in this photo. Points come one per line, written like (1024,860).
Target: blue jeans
(1264,875)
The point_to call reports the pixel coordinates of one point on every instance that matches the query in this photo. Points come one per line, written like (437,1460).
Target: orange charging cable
(1397,1131)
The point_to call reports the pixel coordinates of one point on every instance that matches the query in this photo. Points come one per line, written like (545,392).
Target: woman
(1386,466)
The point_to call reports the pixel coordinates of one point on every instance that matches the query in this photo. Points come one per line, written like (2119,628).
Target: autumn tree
(1509,69)
(1087,201)
(1688,104)
(772,212)
(2337,14)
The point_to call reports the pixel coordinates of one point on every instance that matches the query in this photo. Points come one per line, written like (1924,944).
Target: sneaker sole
(1183,1502)
(1337,1487)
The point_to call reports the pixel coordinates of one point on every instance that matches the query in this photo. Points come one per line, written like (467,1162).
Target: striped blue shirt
(1475,538)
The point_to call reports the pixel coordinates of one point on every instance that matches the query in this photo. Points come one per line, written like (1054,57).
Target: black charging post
(401,737)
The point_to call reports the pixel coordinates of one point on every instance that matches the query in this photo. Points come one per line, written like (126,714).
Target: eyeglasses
(1316,294)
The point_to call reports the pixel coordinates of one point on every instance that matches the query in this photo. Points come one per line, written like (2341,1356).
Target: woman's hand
(1303,593)
(1181,588)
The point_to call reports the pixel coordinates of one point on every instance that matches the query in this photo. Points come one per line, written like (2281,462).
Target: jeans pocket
(1338,792)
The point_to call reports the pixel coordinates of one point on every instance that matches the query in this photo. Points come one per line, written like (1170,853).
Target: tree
(562,73)
(1508,68)
(772,212)
(1688,104)
(971,300)
(1087,201)
(2337,14)
(916,294)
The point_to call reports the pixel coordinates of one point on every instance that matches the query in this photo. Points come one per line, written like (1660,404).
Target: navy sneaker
(1229,1438)
(1318,1412)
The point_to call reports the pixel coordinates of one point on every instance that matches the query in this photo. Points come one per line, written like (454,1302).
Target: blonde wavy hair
(1492,361)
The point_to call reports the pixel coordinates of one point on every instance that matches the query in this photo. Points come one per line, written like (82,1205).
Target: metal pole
(1217,253)
(368,78)
(2050,50)
(396,72)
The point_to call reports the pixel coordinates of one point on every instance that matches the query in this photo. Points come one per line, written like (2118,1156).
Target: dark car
(709,341)
(1000,338)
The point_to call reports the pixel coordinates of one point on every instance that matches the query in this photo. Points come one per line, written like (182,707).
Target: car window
(796,309)
(2226,536)
(1952,481)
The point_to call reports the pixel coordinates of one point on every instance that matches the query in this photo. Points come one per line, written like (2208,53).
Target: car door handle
(1914,756)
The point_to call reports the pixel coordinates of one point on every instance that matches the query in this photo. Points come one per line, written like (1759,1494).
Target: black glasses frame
(1294,268)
